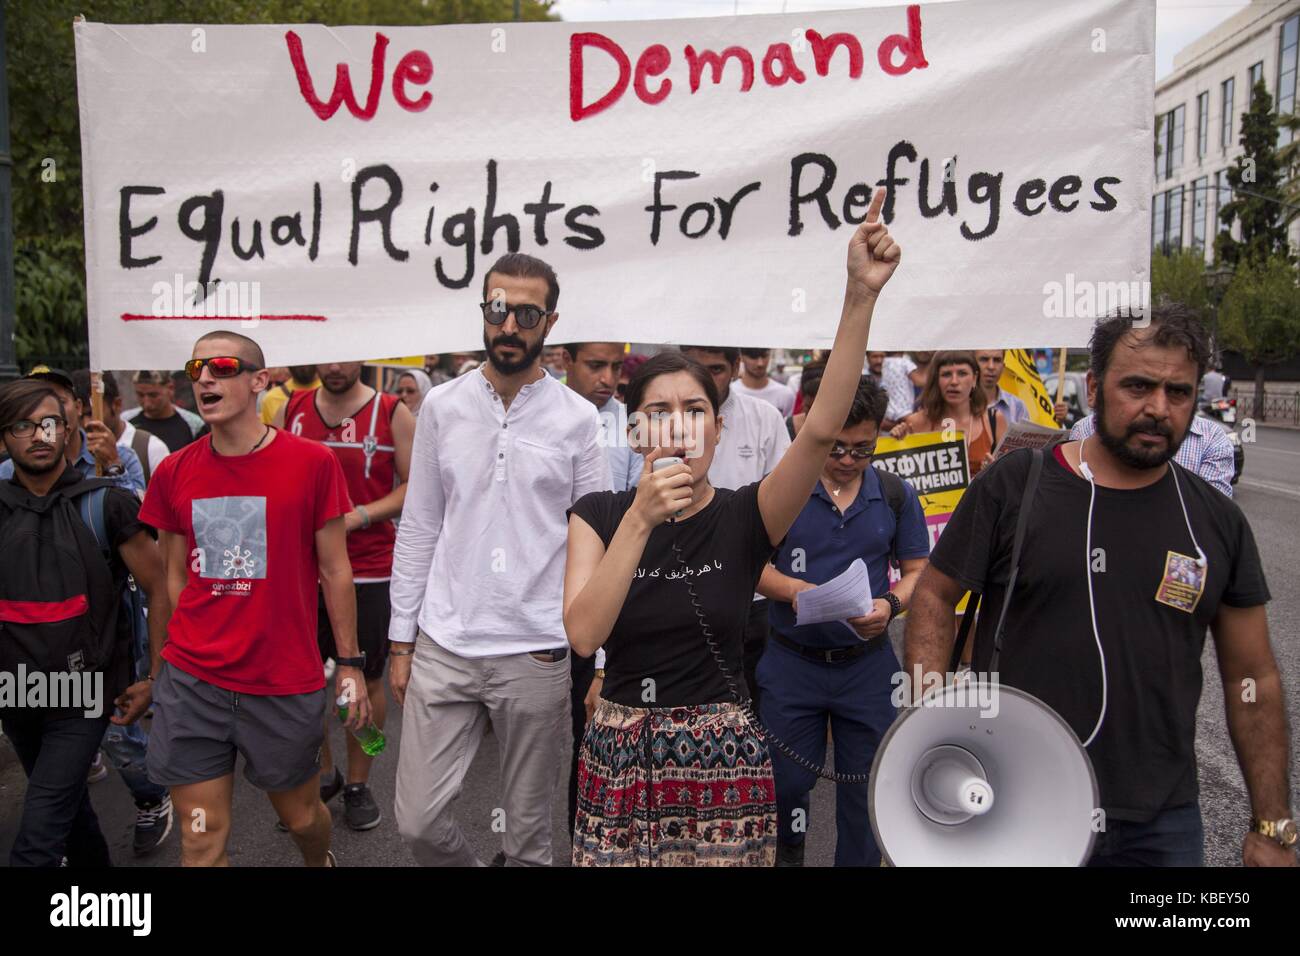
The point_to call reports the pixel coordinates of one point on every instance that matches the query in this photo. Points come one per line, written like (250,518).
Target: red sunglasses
(221,366)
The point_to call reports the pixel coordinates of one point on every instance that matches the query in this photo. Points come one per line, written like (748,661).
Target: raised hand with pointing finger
(873,253)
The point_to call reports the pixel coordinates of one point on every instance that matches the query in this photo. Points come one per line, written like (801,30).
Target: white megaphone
(982,774)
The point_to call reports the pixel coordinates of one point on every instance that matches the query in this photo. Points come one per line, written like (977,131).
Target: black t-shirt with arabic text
(656,655)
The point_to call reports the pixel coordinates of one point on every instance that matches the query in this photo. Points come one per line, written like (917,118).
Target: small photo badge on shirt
(1183,582)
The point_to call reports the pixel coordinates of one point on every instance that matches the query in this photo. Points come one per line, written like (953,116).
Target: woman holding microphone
(662,575)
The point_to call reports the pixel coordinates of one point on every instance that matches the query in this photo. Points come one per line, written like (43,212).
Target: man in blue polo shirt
(836,671)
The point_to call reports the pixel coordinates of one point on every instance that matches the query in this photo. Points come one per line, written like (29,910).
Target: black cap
(55,375)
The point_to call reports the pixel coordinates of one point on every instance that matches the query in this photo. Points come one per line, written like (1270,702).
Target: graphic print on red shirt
(363,444)
(246,619)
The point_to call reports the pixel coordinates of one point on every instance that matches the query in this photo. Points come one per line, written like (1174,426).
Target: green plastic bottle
(370,737)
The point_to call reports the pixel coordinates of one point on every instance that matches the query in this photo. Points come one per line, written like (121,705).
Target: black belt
(831,655)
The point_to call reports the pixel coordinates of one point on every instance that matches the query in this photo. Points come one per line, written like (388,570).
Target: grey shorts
(198,728)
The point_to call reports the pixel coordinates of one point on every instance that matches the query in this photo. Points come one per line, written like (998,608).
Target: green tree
(49,241)
(1289,157)
(1256,180)
(1180,277)
(1260,317)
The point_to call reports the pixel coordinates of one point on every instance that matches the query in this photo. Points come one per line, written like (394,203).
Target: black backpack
(58,602)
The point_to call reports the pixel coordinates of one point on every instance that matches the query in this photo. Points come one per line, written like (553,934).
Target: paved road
(1269,493)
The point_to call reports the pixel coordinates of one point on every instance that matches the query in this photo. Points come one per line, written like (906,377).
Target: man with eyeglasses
(477,631)
(250,518)
(839,672)
(54,742)
(91,449)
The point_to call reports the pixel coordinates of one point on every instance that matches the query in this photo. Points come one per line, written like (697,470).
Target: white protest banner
(343,189)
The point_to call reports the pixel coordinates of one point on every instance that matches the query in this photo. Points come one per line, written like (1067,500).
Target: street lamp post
(8,366)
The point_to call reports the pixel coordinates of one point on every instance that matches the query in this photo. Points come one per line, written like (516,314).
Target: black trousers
(57,819)
(755,643)
(583,671)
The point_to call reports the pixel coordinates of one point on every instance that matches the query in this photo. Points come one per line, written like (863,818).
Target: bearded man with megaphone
(1101,565)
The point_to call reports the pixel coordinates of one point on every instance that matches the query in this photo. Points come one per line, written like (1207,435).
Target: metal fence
(1280,407)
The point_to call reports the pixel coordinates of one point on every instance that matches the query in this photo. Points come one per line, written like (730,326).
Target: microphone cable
(745,703)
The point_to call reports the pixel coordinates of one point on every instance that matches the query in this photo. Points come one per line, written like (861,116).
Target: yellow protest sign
(1020,378)
(936,466)
(410,361)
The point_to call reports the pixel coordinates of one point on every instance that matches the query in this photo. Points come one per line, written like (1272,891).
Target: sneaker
(331,860)
(152,824)
(789,854)
(328,791)
(360,810)
(98,769)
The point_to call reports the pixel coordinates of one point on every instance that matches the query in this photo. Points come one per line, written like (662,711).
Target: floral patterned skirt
(679,786)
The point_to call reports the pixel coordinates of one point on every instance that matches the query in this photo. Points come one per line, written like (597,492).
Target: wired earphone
(1087,555)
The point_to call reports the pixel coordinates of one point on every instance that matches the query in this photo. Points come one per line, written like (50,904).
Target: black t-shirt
(1144,754)
(657,635)
(174,431)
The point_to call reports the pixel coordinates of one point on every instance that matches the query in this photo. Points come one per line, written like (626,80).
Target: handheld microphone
(661,463)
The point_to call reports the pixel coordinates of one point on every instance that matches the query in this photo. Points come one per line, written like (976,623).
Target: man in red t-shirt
(249,518)
(370,433)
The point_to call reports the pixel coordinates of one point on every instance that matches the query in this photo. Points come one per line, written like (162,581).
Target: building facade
(1199,107)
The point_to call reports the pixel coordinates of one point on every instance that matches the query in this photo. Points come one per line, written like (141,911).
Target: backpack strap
(140,445)
(896,498)
(1022,522)
(90,505)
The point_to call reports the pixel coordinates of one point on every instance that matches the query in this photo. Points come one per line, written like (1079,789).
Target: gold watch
(1283,831)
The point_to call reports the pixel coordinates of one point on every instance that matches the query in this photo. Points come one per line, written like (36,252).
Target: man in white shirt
(592,369)
(895,379)
(754,438)
(992,362)
(755,381)
(477,629)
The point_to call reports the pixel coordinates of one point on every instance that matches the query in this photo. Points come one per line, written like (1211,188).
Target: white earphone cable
(1092,604)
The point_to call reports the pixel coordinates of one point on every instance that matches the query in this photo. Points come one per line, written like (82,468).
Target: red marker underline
(140,317)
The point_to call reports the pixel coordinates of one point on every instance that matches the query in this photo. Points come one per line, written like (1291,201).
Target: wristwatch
(351,661)
(1283,831)
(115,470)
(895,605)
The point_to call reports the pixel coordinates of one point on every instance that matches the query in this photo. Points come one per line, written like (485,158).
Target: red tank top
(364,448)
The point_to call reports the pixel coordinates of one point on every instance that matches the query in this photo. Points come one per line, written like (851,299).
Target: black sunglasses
(495,312)
(858,454)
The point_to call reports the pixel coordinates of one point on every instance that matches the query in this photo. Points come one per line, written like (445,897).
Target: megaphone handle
(1022,522)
